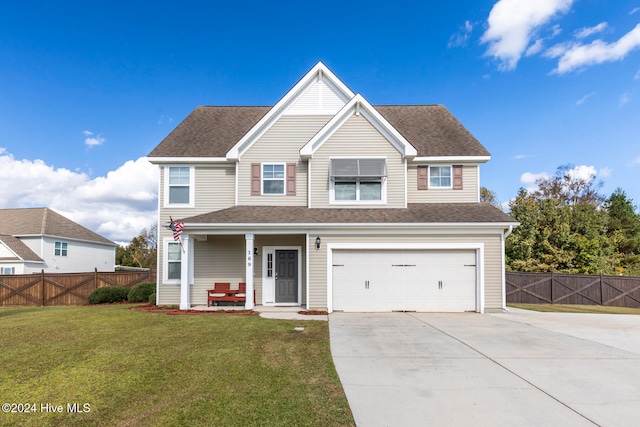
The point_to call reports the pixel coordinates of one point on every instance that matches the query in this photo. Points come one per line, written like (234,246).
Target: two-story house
(37,239)
(324,201)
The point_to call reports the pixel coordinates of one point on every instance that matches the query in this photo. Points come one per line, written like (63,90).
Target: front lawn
(123,367)
(570,308)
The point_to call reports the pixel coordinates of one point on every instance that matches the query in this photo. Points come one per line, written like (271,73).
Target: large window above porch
(357,180)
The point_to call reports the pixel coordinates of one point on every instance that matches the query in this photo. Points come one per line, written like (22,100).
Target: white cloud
(92,140)
(529,180)
(624,99)
(117,206)
(635,161)
(461,37)
(584,98)
(588,31)
(522,156)
(604,172)
(513,23)
(583,172)
(575,56)
(634,10)
(535,48)
(637,76)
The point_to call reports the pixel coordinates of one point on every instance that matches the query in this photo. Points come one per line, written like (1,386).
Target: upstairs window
(439,176)
(60,249)
(180,183)
(358,180)
(273,178)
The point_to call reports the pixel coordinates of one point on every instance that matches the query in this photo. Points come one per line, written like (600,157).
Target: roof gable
(44,221)
(319,91)
(12,248)
(359,106)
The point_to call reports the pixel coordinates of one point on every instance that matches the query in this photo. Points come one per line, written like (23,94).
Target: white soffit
(312,82)
(359,106)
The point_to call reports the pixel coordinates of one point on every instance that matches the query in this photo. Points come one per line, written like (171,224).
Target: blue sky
(87,89)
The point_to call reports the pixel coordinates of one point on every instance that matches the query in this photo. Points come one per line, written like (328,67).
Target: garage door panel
(411,280)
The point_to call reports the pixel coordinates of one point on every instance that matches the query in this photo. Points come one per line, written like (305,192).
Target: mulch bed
(313,312)
(150,308)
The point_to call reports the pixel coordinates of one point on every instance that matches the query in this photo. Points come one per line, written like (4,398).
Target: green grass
(154,369)
(569,308)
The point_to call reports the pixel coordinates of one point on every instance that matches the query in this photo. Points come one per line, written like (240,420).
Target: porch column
(249,302)
(185,268)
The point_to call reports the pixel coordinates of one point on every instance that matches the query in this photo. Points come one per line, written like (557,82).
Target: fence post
(95,278)
(552,299)
(42,285)
(601,296)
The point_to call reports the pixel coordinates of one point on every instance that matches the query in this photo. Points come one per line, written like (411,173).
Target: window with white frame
(7,270)
(439,176)
(358,180)
(173,266)
(180,181)
(60,249)
(273,178)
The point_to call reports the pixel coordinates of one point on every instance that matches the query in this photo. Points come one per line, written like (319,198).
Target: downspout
(508,232)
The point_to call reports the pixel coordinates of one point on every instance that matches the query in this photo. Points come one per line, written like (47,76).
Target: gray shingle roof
(44,221)
(418,213)
(212,131)
(19,248)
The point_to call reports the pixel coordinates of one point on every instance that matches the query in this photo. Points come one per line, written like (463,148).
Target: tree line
(567,225)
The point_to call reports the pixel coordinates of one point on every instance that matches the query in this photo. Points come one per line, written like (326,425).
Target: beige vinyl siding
(492,261)
(218,259)
(167,293)
(468,194)
(214,190)
(280,144)
(357,138)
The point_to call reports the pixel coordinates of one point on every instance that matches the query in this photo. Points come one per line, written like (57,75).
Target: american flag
(176,227)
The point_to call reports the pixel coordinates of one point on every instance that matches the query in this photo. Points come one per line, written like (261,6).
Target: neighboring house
(324,201)
(36,239)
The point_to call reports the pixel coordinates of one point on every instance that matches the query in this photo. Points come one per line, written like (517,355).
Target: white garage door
(404,280)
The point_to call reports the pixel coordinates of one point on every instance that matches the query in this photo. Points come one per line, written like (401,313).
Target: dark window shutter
(291,179)
(256,172)
(457,177)
(423,177)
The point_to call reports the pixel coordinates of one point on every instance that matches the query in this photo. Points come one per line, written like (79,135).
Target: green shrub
(108,294)
(141,292)
(152,298)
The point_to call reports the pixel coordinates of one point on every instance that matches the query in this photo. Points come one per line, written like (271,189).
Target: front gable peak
(360,107)
(318,92)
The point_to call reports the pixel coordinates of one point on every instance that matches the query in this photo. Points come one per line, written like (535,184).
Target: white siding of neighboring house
(468,194)
(357,138)
(81,256)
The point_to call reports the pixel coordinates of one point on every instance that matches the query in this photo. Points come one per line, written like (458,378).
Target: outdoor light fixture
(318,242)
(255,251)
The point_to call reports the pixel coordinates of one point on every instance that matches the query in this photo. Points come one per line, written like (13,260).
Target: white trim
(478,247)
(309,183)
(237,168)
(185,160)
(249,271)
(406,184)
(452,159)
(166,241)
(273,249)
(277,111)
(359,106)
(306,260)
(350,228)
(192,187)
(185,263)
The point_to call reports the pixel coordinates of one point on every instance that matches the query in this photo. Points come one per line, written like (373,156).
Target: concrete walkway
(516,369)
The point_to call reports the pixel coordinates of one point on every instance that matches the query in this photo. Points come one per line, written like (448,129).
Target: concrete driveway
(514,369)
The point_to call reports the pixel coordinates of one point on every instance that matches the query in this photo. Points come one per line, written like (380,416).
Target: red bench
(222,292)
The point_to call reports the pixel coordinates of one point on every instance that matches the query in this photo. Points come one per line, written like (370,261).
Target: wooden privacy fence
(44,289)
(558,288)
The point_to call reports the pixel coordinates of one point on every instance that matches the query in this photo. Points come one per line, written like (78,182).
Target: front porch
(272,267)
